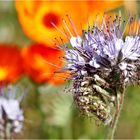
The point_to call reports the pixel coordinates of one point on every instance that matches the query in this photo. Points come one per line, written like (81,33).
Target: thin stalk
(119,103)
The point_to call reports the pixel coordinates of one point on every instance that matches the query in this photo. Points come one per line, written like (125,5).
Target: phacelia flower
(102,63)
(10,63)
(11,115)
(41,62)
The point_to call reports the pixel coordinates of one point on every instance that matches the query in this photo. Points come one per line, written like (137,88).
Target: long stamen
(73,26)
(56,76)
(67,28)
(50,63)
(126,25)
(60,30)
(138,28)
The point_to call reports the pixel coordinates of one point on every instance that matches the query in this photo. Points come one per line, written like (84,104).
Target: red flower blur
(43,64)
(10,63)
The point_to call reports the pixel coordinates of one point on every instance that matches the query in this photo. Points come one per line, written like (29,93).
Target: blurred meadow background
(26,58)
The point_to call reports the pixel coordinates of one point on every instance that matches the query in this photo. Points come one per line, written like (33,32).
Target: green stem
(119,103)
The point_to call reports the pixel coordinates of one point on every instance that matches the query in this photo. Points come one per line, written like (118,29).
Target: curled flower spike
(102,63)
(11,115)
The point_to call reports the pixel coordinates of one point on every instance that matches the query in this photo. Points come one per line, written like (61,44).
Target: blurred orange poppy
(103,5)
(41,62)
(100,7)
(10,63)
(36,17)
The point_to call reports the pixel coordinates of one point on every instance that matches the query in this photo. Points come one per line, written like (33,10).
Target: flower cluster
(102,63)
(11,115)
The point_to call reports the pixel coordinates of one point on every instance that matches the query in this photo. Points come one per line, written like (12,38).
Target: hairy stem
(119,105)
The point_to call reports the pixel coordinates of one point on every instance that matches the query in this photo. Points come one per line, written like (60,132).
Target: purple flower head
(104,48)
(102,62)
(10,111)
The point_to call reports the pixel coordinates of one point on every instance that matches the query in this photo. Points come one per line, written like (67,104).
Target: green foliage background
(49,110)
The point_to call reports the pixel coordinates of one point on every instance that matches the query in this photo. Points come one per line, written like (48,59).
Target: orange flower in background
(41,62)
(99,7)
(10,63)
(104,5)
(36,17)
